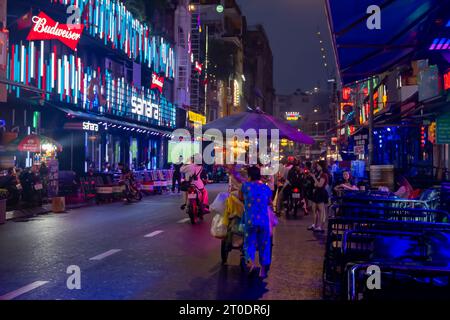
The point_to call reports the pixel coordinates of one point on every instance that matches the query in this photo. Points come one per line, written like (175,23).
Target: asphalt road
(147,250)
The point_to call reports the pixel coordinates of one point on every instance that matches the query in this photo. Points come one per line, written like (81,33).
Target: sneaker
(312,227)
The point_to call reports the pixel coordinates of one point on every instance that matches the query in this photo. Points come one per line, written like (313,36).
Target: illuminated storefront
(114,86)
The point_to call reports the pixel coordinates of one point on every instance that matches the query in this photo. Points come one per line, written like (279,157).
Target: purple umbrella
(257,120)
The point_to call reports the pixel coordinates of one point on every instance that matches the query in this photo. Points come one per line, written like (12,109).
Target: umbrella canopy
(33,143)
(257,120)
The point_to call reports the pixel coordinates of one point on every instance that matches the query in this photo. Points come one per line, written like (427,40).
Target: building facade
(258,69)
(112,98)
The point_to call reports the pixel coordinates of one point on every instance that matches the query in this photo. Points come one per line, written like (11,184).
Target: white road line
(184,220)
(154,233)
(19,292)
(105,254)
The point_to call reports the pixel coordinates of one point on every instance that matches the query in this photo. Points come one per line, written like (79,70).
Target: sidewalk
(296,272)
(46,208)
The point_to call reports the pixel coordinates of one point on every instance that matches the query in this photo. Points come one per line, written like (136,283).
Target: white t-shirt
(193,169)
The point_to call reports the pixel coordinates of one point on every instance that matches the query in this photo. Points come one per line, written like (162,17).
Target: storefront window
(133,153)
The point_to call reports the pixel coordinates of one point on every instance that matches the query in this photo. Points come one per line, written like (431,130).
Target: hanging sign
(157,82)
(45,28)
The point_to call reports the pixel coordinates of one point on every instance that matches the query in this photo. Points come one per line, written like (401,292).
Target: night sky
(292,26)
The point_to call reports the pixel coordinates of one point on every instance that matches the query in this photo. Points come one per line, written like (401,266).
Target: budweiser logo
(45,28)
(157,82)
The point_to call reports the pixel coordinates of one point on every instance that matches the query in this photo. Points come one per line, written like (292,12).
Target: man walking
(176,178)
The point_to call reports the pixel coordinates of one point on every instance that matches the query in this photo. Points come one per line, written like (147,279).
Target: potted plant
(3,198)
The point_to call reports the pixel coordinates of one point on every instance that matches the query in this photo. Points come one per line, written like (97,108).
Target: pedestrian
(320,196)
(308,186)
(405,189)
(256,221)
(176,178)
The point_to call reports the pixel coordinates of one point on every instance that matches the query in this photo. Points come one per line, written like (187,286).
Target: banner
(45,28)
(157,82)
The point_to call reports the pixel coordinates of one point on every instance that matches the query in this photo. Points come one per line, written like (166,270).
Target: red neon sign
(346,93)
(447,80)
(45,28)
(157,82)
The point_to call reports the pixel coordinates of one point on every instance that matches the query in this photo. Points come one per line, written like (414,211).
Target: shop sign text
(144,108)
(45,28)
(157,82)
(89,126)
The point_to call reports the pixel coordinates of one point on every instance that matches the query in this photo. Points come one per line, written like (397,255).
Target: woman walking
(257,198)
(320,196)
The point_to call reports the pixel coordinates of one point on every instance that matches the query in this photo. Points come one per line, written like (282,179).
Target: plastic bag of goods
(218,206)
(218,228)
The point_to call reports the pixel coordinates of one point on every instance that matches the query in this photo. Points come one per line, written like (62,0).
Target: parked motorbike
(194,205)
(12,184)
(32,188)
(132,191)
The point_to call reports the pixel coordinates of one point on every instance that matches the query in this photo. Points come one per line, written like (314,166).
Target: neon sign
(45,28)
(346,93)
(292,116)
(143,107)
(157,82)
(447,80)
(198,67)
(89,126)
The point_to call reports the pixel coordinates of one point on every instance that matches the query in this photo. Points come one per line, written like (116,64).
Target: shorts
(320,196)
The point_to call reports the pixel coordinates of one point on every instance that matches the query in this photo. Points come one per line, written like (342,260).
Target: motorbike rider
(193,173)
(11,183)
(127,176)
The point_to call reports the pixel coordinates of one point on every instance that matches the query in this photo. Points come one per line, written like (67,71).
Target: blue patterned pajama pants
(258,238)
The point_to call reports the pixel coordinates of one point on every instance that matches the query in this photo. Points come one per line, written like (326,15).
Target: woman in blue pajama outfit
(257,198)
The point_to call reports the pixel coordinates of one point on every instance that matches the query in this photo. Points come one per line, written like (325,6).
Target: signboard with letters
(157,82)
(443,129)
(45,28)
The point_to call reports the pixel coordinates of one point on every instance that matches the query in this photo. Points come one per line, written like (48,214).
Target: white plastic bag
(218,228)
(218,206)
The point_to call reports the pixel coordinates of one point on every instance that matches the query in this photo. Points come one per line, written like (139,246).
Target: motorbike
(132,191)
(32,189)
(294,201)
(14,187)
(194,205)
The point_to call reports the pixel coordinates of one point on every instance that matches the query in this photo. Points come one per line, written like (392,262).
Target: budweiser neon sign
(157,82)
(45,28)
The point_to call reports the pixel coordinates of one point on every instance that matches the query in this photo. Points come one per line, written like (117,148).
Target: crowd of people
(257,200)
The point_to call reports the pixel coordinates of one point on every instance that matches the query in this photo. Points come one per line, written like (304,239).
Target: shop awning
(112,122)
(361,52)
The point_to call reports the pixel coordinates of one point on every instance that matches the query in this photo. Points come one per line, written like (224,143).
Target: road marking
(105,254)
(154,233)
(184,220)
(19,292)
